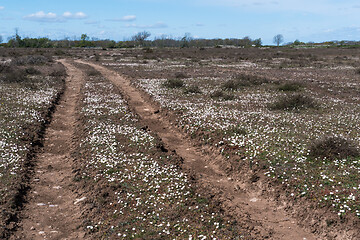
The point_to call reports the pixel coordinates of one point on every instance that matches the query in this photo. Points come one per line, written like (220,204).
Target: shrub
(5,68)
(31,60)
(192,89)
(333,148)
(93,72)
(219,94)
(12,74)
(236,130)
(174,83)
(59,52)
(231,84)
(180,75)
(32,71)
(14,77)
(290,87)
(58,71)
(294,102)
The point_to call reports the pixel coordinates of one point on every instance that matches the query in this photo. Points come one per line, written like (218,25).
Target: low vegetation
(294,102)
(290,87)
(174,83)
(332,148)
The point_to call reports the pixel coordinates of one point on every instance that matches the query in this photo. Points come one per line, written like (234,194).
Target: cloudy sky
(306,20)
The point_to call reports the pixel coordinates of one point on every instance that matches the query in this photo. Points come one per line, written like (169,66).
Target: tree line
(140,39)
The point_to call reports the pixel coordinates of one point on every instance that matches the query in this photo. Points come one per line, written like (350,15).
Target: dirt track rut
(52,211)
(241,199)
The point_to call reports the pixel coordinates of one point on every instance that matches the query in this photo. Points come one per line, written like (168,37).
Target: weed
(59,52)
(32,71)
(192,89)
(232,84)
(294,102)
(251,79)
(14,77)
(59,71)
(219,94)
(31,60)
(333,148)
(93,72)
(174,83)
(290,87)
(236,130)
(148,50)
(180,75)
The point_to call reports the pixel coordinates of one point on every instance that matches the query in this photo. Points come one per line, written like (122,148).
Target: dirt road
(241,199)
(52,211)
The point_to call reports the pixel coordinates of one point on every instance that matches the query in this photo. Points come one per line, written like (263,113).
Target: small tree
(257,42)
(1,39)
(186,40)
(141,37)
(278,39)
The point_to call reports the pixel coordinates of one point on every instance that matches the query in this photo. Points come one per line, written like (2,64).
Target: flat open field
(180,143)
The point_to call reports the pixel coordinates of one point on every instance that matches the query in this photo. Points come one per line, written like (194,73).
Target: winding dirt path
(52,210)
(241,199)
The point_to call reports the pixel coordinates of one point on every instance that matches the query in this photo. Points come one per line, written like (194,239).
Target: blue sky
(306,20)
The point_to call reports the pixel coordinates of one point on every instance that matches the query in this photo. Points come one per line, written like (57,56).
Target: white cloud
(78,15)
(128,18)
(2,8)
(156,25)
(41,16)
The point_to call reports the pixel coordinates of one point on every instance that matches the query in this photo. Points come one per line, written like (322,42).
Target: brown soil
(242,199)
(52,210)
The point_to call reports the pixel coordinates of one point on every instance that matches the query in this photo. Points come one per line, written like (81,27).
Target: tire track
(239,198)
(52,211)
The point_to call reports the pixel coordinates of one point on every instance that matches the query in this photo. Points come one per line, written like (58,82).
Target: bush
(14,77)
(290,87)
(192,89)
(174,83)
(12,74)
(5,68)
(294,102)
(31,60)
(218,94)
(333,148)
(32,71)
(59,52)
(93,72)
(232,84)
(180,75)
(236,130)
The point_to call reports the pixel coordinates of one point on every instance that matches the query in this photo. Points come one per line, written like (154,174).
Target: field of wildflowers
(26,102)
(136,191)
(243,124)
